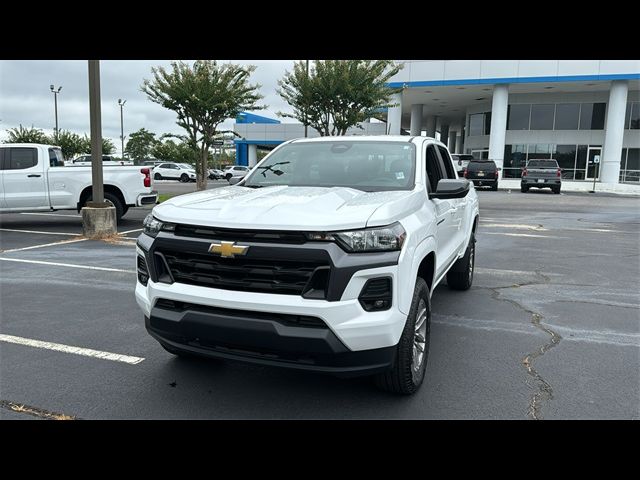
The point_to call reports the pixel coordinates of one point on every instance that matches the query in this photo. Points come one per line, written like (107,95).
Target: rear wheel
(524,189)
(460,277)
(556,190)
(495,187)
(121,209)
(157,176)
(412,351)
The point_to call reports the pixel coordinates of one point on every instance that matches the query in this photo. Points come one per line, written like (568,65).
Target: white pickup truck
(323,258)
(33,178)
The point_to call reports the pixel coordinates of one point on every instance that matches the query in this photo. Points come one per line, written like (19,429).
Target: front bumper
(147,199)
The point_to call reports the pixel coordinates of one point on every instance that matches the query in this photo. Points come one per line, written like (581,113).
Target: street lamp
(121,103)
(55,102)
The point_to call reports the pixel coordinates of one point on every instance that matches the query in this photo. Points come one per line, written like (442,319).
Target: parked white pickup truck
(33,178)
(323,258)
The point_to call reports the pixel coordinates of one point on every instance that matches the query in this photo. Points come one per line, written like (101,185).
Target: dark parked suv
(483,173)
(541,174)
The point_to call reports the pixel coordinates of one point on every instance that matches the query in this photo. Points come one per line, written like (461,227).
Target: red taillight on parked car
(147,176)
(559,174)
(496,173)
(524,172)
(465,173)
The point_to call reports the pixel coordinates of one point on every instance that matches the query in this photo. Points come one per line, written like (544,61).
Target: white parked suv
(324,258)
(235,171)
(174,171)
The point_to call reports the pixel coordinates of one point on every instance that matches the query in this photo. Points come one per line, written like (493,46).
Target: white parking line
(130,231)
(39,232)
(70,265)
(520,235)
(63,242)
(53,214)
(59,347)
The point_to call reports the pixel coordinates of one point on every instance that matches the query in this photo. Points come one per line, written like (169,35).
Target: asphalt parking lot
(550,328)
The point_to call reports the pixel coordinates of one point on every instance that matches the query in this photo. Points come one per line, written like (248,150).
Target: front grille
(282,318)
(264,236)
(246,274)
(143,272)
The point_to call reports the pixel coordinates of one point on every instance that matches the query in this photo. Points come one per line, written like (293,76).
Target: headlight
(151,226)
(376,239)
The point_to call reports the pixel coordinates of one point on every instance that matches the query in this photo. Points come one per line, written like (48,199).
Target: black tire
(121,209)
(495,187)
(184,178)
(460,277)
(406,376)
(556,190)
(524,189)
(228,176)
(157,176)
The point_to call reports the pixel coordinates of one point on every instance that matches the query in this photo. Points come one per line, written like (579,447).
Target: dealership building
(583,113)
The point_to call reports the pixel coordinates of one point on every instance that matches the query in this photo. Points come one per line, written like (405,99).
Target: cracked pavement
(549,330)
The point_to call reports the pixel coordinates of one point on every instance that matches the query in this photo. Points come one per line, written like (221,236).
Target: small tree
(27,135)
(140,144)
(174,152)
(203,96)
(107,145)
(337,94)
(71,144)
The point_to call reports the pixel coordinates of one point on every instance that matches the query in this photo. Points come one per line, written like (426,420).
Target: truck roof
(8,145)
(360,138)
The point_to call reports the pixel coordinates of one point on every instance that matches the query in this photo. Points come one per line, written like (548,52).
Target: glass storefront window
(487,123)
(476,124)
(566,157)
(567,115)
(518,117)
(542,117)
(627,115)
(540,151)
(635,116)
(515,158)
(631,170)
(592,116)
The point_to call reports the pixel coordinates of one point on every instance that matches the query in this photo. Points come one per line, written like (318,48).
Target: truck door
(445,211)
(459,205)
(23,179)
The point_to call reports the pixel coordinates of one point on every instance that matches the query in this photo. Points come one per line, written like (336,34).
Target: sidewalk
(573,186)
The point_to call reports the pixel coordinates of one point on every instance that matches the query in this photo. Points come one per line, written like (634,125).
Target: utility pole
(305,113)
(55,103)
(121,103)
(96,131)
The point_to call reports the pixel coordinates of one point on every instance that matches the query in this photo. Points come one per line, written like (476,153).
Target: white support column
(394,115)
(252,151)
(431,126)
(444,133)
(451,144)
(498,132)
(614,132)
(416,119)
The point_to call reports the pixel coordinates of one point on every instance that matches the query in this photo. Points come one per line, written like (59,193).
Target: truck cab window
(433,169)
(22,158)
(446,160)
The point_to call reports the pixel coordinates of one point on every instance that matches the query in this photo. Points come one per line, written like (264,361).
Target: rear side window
(473,165)
(56,158)
(21,158)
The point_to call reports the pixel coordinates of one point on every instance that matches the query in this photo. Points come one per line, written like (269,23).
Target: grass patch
(165,196)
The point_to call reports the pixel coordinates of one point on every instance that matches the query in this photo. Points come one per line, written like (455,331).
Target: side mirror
(451,188)
(234,180)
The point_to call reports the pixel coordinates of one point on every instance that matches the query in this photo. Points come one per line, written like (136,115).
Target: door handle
(32,175)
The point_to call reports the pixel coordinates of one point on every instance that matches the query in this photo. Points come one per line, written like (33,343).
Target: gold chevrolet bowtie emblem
(228,249)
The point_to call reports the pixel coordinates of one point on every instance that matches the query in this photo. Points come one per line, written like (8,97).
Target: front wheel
(157,176)
(460,277)
(184,178)
(412,351)
(556,190)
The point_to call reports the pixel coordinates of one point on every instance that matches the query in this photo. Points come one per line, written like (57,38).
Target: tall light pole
(121,103)
(55,103)
(305,113)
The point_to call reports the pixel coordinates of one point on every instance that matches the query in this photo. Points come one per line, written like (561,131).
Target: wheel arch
(108,188)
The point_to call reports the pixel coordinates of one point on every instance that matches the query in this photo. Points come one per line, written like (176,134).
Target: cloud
(26,99)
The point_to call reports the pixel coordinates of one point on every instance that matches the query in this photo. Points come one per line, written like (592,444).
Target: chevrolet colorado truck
(323,258)
(33,178)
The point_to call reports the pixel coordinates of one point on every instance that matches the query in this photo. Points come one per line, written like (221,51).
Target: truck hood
(289,208)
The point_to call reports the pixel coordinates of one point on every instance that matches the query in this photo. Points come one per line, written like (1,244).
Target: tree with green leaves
(140,144)
(27,135)
(337,94)
(107,145)
(203,96)
(70,143)
(170,151)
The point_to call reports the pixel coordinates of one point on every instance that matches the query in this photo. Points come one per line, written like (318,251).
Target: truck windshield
(363,165)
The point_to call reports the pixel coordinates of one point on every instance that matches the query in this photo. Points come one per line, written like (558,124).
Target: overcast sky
(25,97)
